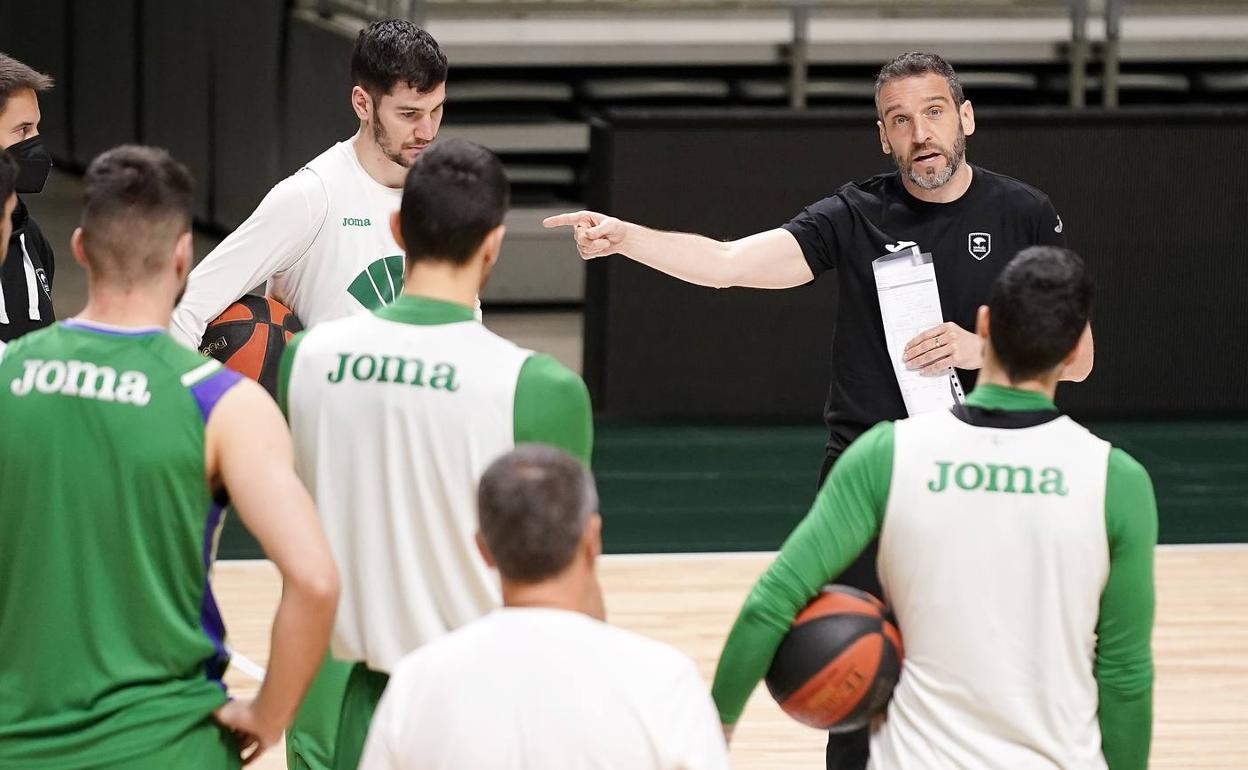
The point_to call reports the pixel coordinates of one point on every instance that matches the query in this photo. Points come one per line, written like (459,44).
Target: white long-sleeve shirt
(320,240)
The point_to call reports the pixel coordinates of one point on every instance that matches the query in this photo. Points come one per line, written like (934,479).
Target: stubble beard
(381,138)
(940,178)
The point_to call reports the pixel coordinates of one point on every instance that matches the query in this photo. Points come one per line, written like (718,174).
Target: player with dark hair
(321,238)
(544,682)
(1016,550)
(26,275)
(396,414)
(935,202)
(119,451)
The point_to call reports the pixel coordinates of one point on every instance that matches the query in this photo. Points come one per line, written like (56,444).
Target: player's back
(112,643)
(535,688)
(395,417)
(994,555)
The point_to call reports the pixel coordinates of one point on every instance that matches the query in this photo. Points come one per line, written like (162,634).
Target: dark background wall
(204,78)
(1153,200)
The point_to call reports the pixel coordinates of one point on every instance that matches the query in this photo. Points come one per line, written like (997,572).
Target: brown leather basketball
(249,337)
(837,666)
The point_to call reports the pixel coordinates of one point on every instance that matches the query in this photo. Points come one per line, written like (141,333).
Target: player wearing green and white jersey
(119,450)
(396,415)
(1016,549)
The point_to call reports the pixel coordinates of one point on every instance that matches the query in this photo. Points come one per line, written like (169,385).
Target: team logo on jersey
(893,248)
(380,283)
(992,477)
(979,244)
(82,379)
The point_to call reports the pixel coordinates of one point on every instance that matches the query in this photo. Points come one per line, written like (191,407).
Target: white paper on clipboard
(909,305)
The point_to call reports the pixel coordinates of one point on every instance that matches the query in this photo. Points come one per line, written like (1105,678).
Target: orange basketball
(249,337)
(837,666)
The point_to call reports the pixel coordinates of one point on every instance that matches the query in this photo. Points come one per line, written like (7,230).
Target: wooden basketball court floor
(1200,646)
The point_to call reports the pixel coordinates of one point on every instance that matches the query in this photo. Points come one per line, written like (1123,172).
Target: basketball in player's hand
(837,666)
(249,337)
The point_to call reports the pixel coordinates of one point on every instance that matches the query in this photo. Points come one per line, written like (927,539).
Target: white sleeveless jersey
(393,425)
(990,683)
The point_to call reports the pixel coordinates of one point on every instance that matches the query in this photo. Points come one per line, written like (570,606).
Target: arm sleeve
(846,515)
(273,238)
(1050,231)
(283,373)
(1124,657)
(552,407)
(816,229)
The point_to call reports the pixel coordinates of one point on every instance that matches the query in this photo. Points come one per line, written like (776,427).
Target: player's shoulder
(1123,465)
(639,657)
(865,192)
(1001,185)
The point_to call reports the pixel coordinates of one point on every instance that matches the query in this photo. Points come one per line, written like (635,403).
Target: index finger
(565,220)
(926,335)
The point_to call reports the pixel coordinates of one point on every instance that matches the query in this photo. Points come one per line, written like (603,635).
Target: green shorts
(332,724)
(310,740)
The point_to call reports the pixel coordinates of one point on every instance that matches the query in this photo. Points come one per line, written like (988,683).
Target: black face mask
(34,162)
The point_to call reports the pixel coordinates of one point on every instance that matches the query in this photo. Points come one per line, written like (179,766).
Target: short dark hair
(455,194)
(534,503)
(1038,308)
(915,64)
(393,51)
(8,180)
(14,76)
(136,203)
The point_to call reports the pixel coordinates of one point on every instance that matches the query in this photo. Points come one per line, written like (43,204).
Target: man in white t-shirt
(320,240)
(544,683)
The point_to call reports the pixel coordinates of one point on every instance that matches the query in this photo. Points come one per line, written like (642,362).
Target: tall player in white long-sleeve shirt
(320,240)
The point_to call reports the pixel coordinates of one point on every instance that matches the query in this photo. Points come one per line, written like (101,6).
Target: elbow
(321,587)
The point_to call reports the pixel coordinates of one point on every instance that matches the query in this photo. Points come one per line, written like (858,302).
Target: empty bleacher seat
(659,89)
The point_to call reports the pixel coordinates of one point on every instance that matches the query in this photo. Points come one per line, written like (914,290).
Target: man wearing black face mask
(26,275)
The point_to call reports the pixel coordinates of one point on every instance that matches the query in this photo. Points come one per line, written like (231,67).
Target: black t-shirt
(858,223)
(26,279)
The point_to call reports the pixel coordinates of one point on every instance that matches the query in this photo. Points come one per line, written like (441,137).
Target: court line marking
(708,555)
(246,666)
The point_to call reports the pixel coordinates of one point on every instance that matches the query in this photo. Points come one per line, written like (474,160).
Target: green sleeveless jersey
(112,644)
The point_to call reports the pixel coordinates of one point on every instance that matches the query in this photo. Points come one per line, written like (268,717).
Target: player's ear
(397,231)
(183,255)
(76,247)
(967,115)
(981,322)
(591,539)
(1085,341)
(485,552)
(362,103)
(884,144)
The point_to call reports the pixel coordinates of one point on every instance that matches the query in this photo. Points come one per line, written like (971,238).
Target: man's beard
(934,181)
(382,139)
